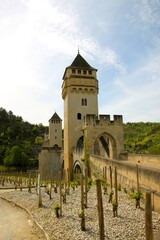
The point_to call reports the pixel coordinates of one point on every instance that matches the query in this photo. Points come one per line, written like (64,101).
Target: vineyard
(82,209)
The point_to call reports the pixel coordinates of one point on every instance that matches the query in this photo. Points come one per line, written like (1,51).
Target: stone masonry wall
(50,163)
(127,177)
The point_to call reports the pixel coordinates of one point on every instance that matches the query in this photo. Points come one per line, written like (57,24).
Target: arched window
(79,116)
(82,101)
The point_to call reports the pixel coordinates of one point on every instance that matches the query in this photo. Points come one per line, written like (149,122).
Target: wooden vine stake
(60,192)
(82,215)
(29,183)
(148,217)
(39,191)
(86,186)
(50,187)
(68,180)
(100,209)
(110,171)
(115,203)
(137,171)
(105,174)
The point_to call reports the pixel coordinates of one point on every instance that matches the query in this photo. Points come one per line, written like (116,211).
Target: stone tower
(50,157)
(79,92)
(55,131)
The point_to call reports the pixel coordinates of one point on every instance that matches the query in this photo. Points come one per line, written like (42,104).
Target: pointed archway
(105,146)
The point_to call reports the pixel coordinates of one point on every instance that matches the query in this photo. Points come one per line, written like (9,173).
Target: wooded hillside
(142,137)
(20,141)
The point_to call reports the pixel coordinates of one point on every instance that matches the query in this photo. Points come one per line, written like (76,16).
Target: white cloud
(139,91)
(40,37)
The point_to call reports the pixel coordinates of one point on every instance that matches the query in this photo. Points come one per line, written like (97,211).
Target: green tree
(16,158)
(7,161)
(155,149)
(39,140)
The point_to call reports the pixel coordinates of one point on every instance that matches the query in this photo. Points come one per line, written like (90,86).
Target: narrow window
(55,130)
(79,71)
(90,72)
(85,102)
(84,72)
(73,71)
(79,116)
(55,137)
(82,101)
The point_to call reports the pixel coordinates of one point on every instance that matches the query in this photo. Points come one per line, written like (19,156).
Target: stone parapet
(102,120)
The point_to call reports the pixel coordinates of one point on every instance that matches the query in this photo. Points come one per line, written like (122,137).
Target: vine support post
(100,209)
(148,217)
(110,171)
(39,191)
(105,174)
(68,180)
(137,172)
(50,189)
(86,185)
(60,191)
(83,228)
(116,190)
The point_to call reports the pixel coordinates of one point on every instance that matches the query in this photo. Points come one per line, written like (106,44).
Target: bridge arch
(77,167)
(80,142)
(104,145)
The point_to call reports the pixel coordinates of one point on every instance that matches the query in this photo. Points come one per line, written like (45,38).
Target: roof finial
(78,49)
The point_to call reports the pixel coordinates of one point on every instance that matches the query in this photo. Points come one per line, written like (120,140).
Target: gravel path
(129,224)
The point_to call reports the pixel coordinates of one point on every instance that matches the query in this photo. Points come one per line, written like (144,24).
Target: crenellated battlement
(102,120)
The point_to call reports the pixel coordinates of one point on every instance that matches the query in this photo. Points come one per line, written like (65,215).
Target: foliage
(142,138)
(56,209)
(137,196)
(20,141)
(81,214)
(119,187)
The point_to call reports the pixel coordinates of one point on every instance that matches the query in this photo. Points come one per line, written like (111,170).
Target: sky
(120,38)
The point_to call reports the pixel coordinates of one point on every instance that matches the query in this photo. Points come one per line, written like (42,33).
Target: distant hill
(20,141)
(142,137)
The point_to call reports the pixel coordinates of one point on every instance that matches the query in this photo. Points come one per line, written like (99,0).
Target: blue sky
(40,38)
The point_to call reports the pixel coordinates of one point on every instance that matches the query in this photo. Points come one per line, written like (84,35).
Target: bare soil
(15,224)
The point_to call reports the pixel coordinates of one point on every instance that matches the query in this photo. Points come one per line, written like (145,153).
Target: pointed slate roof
(80,62)
(55,117)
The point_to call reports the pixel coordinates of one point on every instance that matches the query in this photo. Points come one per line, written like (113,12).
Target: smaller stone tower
(55,131)
(50,157)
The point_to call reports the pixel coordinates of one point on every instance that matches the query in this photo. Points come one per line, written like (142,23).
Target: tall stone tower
(55,131)
(79,92)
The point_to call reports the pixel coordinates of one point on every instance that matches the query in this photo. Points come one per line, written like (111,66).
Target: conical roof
(55,117)
(80,62)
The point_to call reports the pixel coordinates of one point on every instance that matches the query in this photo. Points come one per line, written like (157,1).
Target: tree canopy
(20,141)
(142,137)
